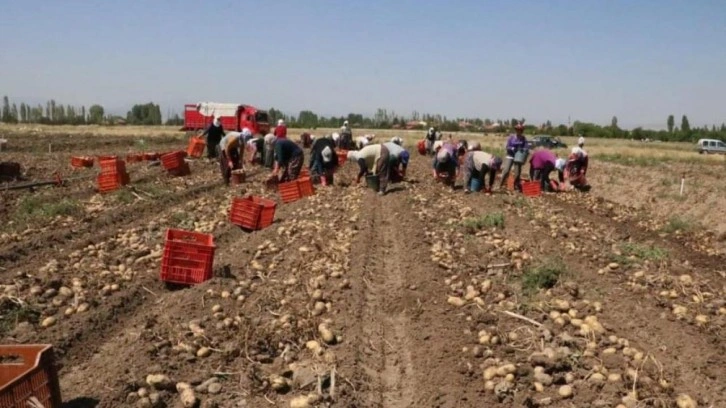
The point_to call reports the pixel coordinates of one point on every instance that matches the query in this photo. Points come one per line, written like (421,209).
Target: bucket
(373,182)
(238,177)
(520,156)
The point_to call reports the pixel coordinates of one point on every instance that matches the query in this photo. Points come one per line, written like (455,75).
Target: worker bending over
(231,150)
(446,164)
(323,160)
(373,160)
(288,160)
(542,163)
(477,164)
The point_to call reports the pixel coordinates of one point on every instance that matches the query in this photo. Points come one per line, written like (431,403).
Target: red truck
(233,117)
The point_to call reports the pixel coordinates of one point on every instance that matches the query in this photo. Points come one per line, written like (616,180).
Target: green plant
(31,207)
(677,223)
(644,252)
(491,220)
(544,275)
(124,196)
(13,312)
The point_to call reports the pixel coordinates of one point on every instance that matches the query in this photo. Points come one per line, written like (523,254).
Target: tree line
(150,114)
(54,113)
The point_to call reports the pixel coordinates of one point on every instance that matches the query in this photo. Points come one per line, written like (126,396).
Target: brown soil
(414,287)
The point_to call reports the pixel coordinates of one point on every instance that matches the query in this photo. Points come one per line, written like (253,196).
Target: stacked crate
(113,174)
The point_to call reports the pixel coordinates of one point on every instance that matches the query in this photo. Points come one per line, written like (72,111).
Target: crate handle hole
(9,359)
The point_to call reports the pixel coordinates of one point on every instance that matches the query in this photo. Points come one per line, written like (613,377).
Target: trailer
(233,116)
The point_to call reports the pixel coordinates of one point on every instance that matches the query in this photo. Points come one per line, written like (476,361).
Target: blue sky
(639,60)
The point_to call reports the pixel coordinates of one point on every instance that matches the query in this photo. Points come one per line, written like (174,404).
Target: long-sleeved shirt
(394,150)
(213,132)
(281,132)
(476,160)
(370,155)
(451,149)
(285,150)
(231,141)
(316,154)
(515,144)
(542,158)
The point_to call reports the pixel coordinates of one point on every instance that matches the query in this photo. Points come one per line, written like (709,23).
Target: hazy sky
(637,59)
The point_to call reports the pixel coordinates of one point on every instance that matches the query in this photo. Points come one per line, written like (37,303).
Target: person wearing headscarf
(323,159)
(559,185)
(288,160)
(231,150)
(576,169)
(346,137)
(430,139)
(517,151)
(478,164)
(269,152)
(214,134)
(446,163)
(306,139)
(336,139)
(373,159)
(280,129)
(542,163)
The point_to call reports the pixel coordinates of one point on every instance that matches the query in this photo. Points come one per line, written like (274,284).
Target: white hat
(577,150)
(280,122)
(581,141)
(475,146)
(335,136)
(216,121)
(345,123)
(327,154)
(246,133)
(397,140)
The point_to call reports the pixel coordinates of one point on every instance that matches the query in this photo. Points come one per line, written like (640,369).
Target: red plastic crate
(28,371)
(111,182)
(188,257)
(342,156)
(112,166)
(252,212)
(150,156)
(289,191)
(510,181)
(173,160)
(107,157)
(181,171)
(81,161)
(196,147)
(134,158)
(306,186)
(531,188)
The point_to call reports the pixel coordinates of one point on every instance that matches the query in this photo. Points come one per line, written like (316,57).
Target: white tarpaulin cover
(221,109)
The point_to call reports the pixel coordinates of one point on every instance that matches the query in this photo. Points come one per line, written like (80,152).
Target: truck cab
(234,117)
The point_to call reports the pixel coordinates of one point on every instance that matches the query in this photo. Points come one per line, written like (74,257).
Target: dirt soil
(424,297)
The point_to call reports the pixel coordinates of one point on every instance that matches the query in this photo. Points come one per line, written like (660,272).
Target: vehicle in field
(233,116)
(710,146)
(546,141)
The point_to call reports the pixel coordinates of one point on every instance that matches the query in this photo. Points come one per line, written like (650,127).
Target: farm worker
(280,129)
(477,164)
(517,152)
(559,185)
(576,169)
(346,137)
(323,159)
(232,148)
(397,161)
(363,141)
(336,139)
(269,142)
(445,162)
(430,139)
(306,139)
(374,159)
(436,146)
(214,133)
(541,164)
(288,160)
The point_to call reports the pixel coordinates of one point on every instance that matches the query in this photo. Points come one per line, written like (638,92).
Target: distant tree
(174,120)
(83,114)
(5,117)
(146,114)
(14,114)
(614,122)
(95,114)
(685,126)
(671,123)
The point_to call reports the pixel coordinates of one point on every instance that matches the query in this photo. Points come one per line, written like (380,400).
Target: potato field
(424,297)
